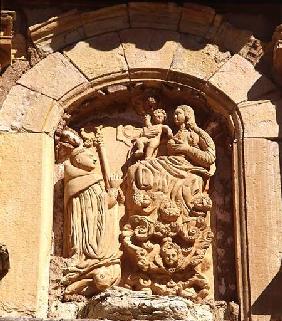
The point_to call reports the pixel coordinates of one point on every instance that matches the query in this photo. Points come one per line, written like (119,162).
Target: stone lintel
(104,20)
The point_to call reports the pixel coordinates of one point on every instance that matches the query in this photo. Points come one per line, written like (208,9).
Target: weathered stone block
(264,208)
(60,41)
(25,109)
(98,56)
(10,76)
(53,76)
(52,119)
(154,15)
(240,81)
(261,118)
(105,20)
(196,19)
(57,32)
(123,304)
(26,196)
(231,38)
(198,59)
(149,49)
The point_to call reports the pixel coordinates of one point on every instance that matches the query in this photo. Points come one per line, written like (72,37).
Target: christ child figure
(150,140)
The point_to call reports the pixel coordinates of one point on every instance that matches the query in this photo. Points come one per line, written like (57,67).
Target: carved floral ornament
(146,228)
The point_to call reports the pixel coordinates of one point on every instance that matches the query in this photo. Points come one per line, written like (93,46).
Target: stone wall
(69,57)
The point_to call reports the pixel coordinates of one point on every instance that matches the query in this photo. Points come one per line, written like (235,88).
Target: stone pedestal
(122,304)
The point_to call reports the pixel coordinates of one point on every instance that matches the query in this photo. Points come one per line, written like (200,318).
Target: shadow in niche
(4,261)
(222,222)
(58,217)
(270,300)
(142,39)
(263,85)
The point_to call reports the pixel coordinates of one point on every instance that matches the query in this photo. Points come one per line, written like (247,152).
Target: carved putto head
(159,116)
(170,253)
(169,211)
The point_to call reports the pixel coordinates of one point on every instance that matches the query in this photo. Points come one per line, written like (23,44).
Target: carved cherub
(150,141)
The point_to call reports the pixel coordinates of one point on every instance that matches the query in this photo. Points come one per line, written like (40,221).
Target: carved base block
(123,304)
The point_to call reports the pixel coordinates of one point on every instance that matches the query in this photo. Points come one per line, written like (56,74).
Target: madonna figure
(191,141)
(168,205)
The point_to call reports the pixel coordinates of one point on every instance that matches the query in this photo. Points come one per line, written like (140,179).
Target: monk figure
(91,226)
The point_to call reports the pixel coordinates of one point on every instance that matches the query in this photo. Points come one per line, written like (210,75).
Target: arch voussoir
(53,76)
(237,78)
(99,57)
(28,110)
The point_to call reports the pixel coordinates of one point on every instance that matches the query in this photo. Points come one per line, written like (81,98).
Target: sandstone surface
(122,304)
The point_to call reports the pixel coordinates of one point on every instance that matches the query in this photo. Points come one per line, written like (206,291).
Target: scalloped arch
(190,45)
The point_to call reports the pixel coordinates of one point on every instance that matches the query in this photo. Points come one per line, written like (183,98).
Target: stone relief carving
(91,223)
(168,232)
(165,231)
(147,145)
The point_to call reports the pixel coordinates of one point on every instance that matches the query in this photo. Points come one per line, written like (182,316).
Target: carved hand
(147,118)
(115,181)
(179,148)
(150,132)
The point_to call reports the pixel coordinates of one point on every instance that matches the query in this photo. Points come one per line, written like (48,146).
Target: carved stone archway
(100,52)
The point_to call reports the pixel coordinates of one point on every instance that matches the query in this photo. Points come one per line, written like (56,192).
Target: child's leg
(149,152)
(140,144)
(151,147)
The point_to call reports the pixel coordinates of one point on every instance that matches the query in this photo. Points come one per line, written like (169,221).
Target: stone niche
(167,200)
(143,207)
